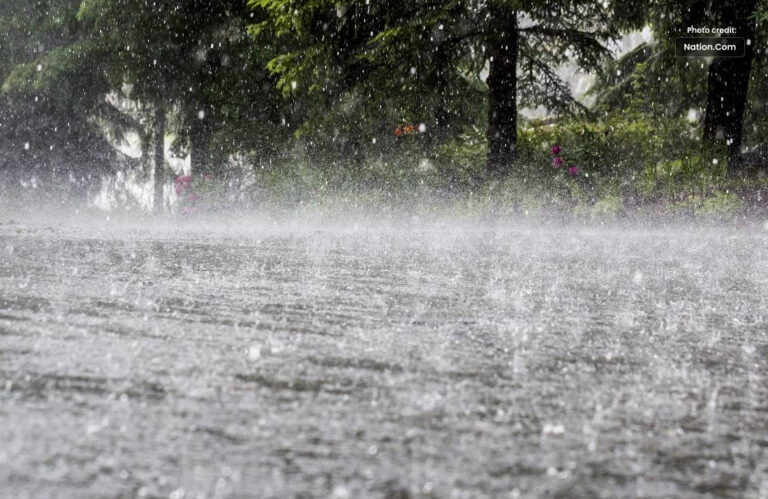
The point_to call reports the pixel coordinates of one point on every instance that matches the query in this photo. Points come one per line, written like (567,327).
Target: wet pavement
(431,361)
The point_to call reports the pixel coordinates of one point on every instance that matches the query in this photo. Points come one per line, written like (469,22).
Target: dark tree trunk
(502,88)
(728,84)
(159,157)
(197,148)
(199,145)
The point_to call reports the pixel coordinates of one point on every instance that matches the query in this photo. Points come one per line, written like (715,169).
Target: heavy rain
(351,249)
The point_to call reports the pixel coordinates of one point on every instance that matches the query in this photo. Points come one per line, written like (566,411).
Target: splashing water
(350,361)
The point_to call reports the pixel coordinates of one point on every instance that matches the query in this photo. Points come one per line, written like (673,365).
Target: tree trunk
(502,90)
(159,157)
(200,147)
(196,149)
(728,84)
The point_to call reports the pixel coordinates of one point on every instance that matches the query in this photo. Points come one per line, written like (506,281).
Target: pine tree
(193,64)
(48,97)
(422,52)
(664,84)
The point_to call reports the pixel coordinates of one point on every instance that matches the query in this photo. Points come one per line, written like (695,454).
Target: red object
(406,130)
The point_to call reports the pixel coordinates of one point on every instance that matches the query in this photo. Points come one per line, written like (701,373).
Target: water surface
(411,361)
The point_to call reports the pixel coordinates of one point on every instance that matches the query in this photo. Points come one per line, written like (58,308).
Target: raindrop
(254,352)
(553,429)
(340,492)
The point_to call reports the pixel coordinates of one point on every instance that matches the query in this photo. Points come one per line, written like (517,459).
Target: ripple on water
(388,363)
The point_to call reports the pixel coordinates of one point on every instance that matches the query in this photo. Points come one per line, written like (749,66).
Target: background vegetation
(293,102)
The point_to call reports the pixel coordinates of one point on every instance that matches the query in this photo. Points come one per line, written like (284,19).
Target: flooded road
(384,362)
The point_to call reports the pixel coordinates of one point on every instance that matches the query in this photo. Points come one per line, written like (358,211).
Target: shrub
(633,155)
(721,205)
(607,208)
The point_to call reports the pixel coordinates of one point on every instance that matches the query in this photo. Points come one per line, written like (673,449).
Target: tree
(48,98)
(420,50)
(728,81)
(502,47)
(147,56)
(192,63)
(663,84)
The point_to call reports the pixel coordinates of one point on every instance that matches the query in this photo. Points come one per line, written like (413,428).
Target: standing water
(417,361)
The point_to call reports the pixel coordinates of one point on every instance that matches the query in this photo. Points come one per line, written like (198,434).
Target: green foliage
(196,58)
(48,98)
(621,156)
(68,74)
(310,92)
(719,205)
(27,29)
(650,79)
(722,204)
(461,160)
(608,208)
(358,68)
